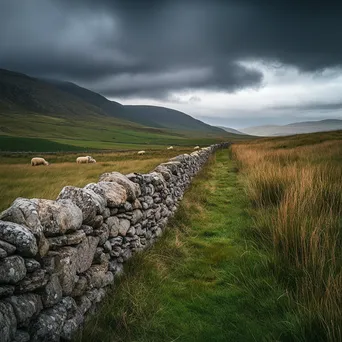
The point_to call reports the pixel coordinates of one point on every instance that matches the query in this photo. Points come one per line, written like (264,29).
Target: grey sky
(232,62)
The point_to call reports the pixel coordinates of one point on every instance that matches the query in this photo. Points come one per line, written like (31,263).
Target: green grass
(14,144)
(204,280)
(91,132)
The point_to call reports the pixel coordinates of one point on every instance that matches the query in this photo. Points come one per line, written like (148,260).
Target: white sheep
(85,160)
(141,152)
(38,161)
(170,148)
(196,147)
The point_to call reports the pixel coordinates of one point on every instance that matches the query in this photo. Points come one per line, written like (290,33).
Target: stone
(136,204)
(137,216)
(3,253)
(114,194)
(124,226)
(20,237)
(66,267)
(12,269)
(67,240)
(31,265)
(132,189)
(32,281)
(8,322)
(48,326)
(21,336)
(71,326)
(164,171)
(49,262)
(102,233)
(58,217)
(6,290)
(84,304)
(10,249)
(25,307)
(106,213)
(52,292)
(98,221)
(98,276)
(85,253)
(115,267)
(24,212)
(87,200)
(96,295)
(80,287)
(87,229)
(107,246)
(113,224)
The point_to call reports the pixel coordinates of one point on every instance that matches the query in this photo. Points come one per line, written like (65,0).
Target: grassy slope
(203,281)
(295,186)
(71,115)
(19,179)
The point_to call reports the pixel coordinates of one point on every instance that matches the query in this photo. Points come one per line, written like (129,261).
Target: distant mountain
(65,113)
(295,128)
(161,117)
(231,130)
(151,116)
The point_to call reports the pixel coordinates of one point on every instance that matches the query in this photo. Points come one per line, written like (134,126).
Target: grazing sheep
(85,160)
(170,148)
(38,161)
(196,147)
(141,152)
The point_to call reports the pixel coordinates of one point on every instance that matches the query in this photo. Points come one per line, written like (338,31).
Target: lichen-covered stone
(47,327)
(52,292)
(21,336)
(25,307)
(124,226)
(8,322)
(114,193)
(113,224)
(132,189)
(66,266)
(12,269)
(32,265)
(32,281)
(85,253)
(58,217)
(137,216)
(6,290)
(80,287)
(87,200)
(67,240)
(9,248)
(20,237)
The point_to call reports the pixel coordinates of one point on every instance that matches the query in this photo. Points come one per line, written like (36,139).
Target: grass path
(204,280)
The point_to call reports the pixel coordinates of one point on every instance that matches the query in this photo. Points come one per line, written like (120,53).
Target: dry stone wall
(57,258)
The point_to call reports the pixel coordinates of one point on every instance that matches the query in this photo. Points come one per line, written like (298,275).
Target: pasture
(19,179)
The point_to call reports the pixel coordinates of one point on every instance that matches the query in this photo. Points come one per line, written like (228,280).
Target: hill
(64,113)
(231,130)
(295,128)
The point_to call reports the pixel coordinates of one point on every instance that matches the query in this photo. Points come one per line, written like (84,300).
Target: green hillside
(76,117)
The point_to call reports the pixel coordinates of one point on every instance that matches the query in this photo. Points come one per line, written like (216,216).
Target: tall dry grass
(297,198)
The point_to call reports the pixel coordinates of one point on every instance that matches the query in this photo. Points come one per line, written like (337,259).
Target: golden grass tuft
(297,196)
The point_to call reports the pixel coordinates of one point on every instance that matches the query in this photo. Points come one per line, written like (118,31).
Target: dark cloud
(150,48)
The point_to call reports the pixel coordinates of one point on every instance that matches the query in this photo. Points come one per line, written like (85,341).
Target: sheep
(141,152)
(170,148)
(38,161)
(85,160)
(196,147)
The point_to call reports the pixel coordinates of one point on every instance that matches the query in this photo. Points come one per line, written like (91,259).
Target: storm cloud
(151,49)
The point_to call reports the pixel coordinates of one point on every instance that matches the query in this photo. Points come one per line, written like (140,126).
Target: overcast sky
(236,63)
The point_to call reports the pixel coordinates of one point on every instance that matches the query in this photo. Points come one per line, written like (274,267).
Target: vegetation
(203,281)
(63,113)
(19,179)
(295,187)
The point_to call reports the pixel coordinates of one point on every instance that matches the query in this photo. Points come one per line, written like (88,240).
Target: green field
(42,133)
(204,280)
